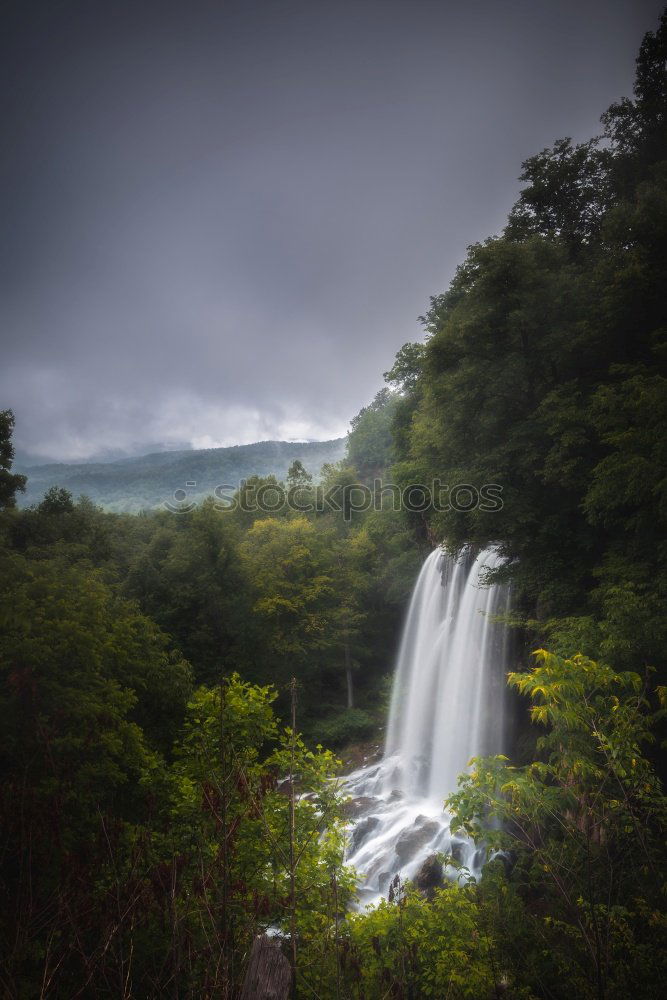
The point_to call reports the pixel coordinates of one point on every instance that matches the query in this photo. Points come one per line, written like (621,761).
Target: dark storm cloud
(222,219)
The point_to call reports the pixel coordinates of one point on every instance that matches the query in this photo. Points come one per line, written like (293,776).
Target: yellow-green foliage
(435,948)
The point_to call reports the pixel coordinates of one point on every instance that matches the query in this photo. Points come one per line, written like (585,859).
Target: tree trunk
(348,676)
(269,975)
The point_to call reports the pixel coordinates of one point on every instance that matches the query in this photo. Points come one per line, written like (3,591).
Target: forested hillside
(148,481)
(174,683)
(543,370)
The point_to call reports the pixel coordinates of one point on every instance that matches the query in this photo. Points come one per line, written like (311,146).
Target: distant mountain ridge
(147,481)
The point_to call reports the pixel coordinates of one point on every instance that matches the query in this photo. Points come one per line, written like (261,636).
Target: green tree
(409,947)
(189,579)
(293,593)
(350,559)
(91,694)
(298,475)
(586,824)
(636,127)
(57,500)
(568,191)
(247,857)
(370,447)
(10,483)
(543,371)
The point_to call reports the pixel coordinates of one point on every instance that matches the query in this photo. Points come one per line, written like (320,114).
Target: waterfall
(446,707)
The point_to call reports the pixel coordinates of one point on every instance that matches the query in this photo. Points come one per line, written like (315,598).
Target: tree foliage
(544,371)
(584,823)
(10,482)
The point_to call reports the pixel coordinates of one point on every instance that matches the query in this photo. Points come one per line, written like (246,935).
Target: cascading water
(446,707)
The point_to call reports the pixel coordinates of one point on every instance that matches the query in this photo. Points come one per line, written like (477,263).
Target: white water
(446,707)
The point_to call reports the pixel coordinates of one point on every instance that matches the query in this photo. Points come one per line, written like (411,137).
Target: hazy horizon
(25,459)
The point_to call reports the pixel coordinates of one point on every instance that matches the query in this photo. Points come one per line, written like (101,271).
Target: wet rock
(361,831)
(410,841)
(383,882)
(395,795)
(430,876)
(358,806)
(478,859)
(457,850)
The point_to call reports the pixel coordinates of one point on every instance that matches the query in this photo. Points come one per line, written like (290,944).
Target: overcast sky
(221,219)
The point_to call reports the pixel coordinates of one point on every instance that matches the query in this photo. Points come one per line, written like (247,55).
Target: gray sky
(222,219)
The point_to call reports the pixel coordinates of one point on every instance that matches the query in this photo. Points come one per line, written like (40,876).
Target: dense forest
(175,686)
